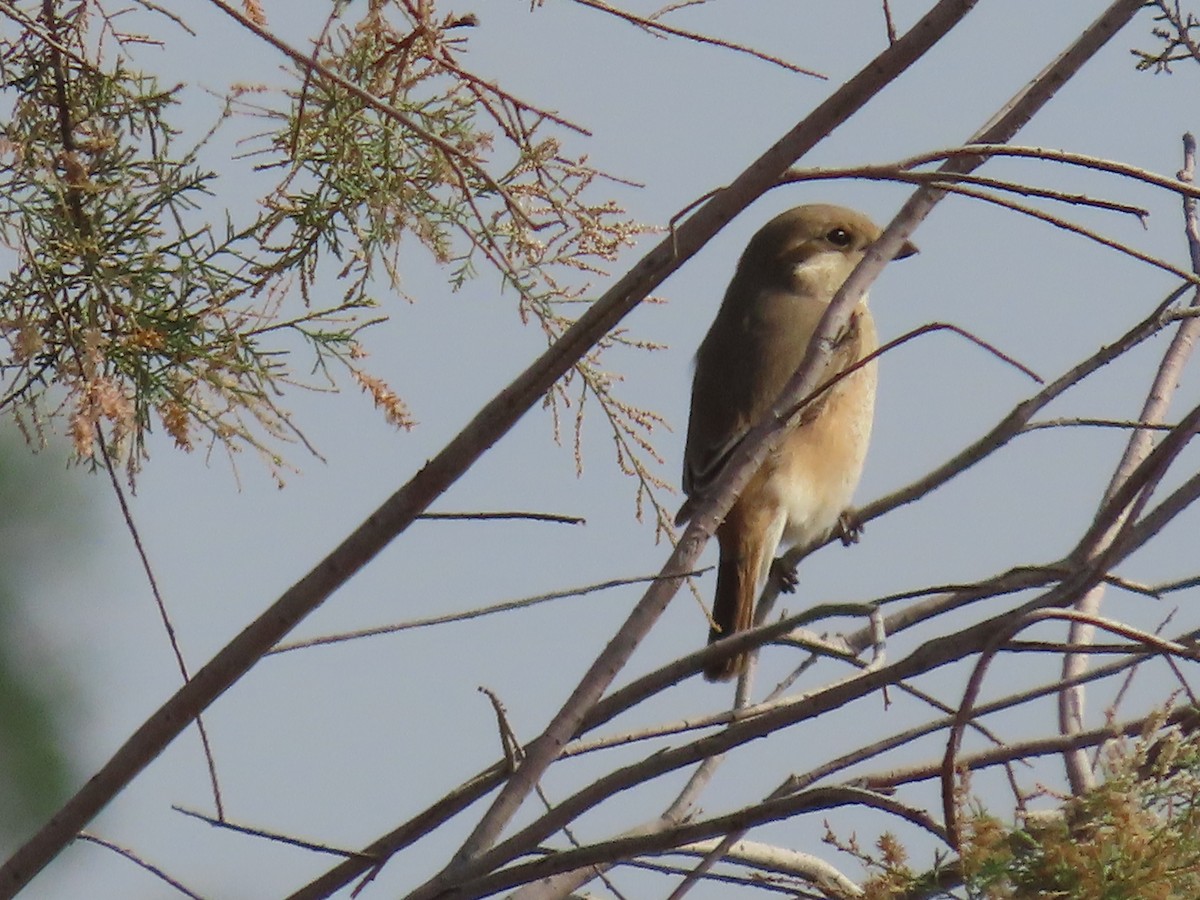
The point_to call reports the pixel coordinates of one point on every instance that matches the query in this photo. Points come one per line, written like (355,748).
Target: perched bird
(784,281)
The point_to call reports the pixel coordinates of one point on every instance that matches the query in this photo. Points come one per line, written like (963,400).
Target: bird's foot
(787,577)
(849,527)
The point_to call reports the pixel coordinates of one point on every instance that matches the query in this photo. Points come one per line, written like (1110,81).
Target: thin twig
(1064,225)
(1022,750)
(666,841)
(165,617)
(141,863)
(1016,420)
(277,837)
(489,516)
(508,738)
(470,857)
(655,25)
(950,765)
(958,183)
(1071,701)
(468,614)
(453,156)
(1083,421)
(890,22)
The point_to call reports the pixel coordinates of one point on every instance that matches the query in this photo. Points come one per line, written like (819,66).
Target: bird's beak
(907,249)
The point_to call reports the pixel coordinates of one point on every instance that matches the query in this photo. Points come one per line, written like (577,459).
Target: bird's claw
(849,527)
(788,579)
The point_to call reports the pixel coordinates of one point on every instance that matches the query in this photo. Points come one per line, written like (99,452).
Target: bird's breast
(813,475)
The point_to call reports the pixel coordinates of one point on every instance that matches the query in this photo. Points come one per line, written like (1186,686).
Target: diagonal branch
(757,178)
(474,858)
(654,25)
(1138,448)
(491,423)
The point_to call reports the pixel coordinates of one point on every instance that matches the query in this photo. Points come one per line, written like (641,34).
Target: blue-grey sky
(338,744)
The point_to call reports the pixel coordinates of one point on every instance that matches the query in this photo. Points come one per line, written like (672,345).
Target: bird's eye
(839,237)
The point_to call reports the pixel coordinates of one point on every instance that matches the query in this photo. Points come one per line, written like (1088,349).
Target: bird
(783,283)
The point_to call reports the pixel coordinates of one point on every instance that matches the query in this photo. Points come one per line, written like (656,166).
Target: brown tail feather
(733,608)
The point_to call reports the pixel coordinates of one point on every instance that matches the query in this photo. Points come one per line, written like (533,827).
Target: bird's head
(811,249)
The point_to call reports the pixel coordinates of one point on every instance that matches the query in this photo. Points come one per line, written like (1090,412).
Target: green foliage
(142,294)
(113,296)
(1136,836)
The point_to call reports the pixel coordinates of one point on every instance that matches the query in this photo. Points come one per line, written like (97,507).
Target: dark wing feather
(742,366)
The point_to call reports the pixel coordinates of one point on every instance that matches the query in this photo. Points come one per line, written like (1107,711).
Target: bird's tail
(733,606)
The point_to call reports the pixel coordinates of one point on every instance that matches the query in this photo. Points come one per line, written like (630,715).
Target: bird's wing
(734,402)
(720,418)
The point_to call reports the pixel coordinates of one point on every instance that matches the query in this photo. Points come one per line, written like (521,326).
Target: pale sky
(339,744)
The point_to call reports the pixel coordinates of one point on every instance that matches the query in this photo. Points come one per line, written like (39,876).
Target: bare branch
(492,516)
(666,841)
(767,858)
(655,24)
(1085,422)
(885,67)
(1010,426)
(950,765)
(891,25)
(275,836)
(141,863)
(1023,750)
(499,415)
(1071,702)
(957,183)
(454,156)
(468,614)
(164,616)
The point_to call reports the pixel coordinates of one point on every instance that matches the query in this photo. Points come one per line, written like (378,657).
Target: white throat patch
(823,273)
